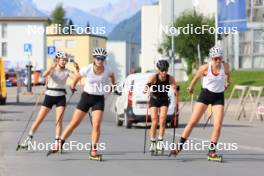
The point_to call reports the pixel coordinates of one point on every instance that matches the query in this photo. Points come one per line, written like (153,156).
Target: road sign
(27,49)
(51,50)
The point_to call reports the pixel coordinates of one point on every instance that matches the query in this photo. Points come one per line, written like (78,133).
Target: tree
(186,43)
(58,15)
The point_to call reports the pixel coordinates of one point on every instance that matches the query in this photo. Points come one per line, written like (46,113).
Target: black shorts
(158,102)
(96,102)
(49,101)
(207,97)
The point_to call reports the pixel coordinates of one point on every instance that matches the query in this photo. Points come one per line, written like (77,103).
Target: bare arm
(200,72)
(227,73)
(49,71)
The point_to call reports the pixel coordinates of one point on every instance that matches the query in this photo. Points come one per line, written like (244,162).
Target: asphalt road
(124,147)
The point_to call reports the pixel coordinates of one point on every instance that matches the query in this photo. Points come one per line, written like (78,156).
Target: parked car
(11,78)
(130,106)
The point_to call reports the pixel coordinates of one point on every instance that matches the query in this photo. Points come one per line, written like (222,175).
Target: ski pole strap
(57,89)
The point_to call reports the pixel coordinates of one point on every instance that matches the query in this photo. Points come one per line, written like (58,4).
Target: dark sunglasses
(100,58)
(164,70)
(217,58)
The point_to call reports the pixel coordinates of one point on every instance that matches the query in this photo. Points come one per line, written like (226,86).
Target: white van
(131,105)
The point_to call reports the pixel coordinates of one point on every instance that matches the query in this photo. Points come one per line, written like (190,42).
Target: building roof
(74,35)
(23,19)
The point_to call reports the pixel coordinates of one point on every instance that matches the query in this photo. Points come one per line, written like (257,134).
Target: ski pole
(192,101)
(30,117)
(176,114)
(145,137)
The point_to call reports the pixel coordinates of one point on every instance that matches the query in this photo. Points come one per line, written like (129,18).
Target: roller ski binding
(153,148)
(212,156)
(160,148)
(25,144)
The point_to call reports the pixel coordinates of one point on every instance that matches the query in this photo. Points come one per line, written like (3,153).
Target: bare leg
(198,111)
(162,120)
(77,117)
(154,122)
(218,111)
(59,120)
(41,116)
(97,117)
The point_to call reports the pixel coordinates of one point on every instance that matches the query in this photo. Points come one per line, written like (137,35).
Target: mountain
(128,30)
(80,18)
(120,10)
(19,8)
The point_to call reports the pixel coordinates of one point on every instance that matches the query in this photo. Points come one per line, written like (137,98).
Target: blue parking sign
(51,50)
(27,48)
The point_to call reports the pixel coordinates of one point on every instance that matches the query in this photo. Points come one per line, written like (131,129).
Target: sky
(81,4)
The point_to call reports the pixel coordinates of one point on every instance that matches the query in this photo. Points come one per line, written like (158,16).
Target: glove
(73,90)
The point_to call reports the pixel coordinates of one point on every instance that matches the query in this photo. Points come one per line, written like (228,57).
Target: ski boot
(24,145)
(153,148)
(160,147)
(58,146)
(212,156)
(93,154)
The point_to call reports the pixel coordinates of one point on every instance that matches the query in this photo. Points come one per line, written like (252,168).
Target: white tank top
(212,82)
(96,84)
(57,80)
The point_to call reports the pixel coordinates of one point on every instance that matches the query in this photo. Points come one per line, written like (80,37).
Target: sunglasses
(100,58)
(217,58)
(163,70)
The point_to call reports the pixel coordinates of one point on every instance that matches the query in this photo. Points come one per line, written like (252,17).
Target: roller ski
(212,156)
(57,149)
(160,148)
(174,153)
(25,144)
(94,156)
(153,148)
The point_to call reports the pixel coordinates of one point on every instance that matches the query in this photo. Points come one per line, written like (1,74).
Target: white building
(155,19)
(244,50)
(17,31)
(123,57)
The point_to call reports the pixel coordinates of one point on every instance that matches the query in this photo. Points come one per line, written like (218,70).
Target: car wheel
(128,123)
(118,121)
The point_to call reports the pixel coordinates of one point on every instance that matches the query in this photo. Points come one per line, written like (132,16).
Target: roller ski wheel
(212,156)
(96,158)
(160,152)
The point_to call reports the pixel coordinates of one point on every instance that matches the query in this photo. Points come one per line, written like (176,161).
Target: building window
(4,49)
(70,43)
(255,10)
(4,30)
(58,44)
